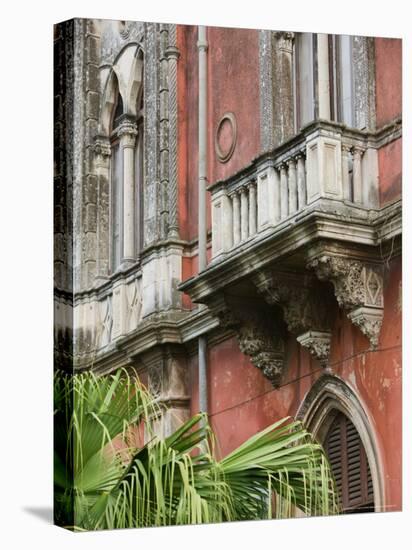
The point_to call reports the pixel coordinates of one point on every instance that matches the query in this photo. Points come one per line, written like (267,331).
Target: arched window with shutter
(333,413)
(350,466)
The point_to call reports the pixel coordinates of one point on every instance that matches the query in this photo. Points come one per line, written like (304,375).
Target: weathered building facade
(298,308)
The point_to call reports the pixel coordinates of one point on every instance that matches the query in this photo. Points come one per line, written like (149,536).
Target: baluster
(276,195)
(283,192)
(301,180)
(357,175)
(347,192)
(244,214)
(236,218)
(252,208)
(292,184)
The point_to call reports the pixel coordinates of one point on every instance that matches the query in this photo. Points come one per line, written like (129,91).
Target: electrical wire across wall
(311,373)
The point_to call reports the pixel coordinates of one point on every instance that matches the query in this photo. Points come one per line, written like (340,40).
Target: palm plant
(177,479)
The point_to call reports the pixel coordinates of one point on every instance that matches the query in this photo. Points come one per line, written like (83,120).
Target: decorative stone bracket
(259,335)
(306,308)
(358,289)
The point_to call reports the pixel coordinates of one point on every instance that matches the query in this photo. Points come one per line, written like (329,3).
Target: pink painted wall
(242,401)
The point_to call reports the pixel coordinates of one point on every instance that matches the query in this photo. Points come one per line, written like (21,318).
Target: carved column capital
(127,133)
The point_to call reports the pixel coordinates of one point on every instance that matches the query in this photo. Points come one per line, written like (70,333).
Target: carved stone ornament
(258,334)
(285,40)
(318,344)
(346,276)
(264,347)
(226,137)
(358,289)
(155,379)
(369,321)
(306,308)
(102,146)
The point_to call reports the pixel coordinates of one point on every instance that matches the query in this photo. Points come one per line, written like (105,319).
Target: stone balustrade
(326,162)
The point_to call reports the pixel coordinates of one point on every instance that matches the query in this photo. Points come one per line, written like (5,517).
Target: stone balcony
(295,234)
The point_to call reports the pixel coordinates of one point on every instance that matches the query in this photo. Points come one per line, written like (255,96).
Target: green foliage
(105,480)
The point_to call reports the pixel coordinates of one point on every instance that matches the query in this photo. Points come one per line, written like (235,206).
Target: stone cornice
(352,227)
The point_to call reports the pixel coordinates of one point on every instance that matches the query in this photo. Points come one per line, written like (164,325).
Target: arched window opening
(350,466)
(126,134)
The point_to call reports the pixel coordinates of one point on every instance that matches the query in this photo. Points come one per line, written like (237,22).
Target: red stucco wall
(242,401)
(238,66)
(388,64)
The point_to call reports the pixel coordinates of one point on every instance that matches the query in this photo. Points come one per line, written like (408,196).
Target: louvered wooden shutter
(350,466)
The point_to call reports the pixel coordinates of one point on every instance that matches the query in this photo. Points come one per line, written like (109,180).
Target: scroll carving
(259,336)
(305,313)
(358,289)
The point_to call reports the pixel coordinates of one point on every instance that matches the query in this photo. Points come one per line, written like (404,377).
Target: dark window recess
(118,111)
(349,466)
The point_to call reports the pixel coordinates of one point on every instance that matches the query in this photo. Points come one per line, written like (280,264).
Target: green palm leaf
(175,480)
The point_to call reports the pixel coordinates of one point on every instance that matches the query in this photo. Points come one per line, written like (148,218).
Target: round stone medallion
(225,138)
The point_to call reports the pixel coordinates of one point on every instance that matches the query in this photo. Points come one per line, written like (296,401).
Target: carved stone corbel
(318,344)
(305,309)
(358,289)
(258,333)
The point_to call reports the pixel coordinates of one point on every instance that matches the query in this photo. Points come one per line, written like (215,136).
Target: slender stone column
(357,175)
(323,77)
(283,192)
(293,190)
(244,214)
(127,134)
(252,208)
(301,180)
(236,218)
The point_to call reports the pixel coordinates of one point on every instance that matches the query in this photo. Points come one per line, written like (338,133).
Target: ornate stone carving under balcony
(319,232)
(258,332)
(358,289)
(306,307)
